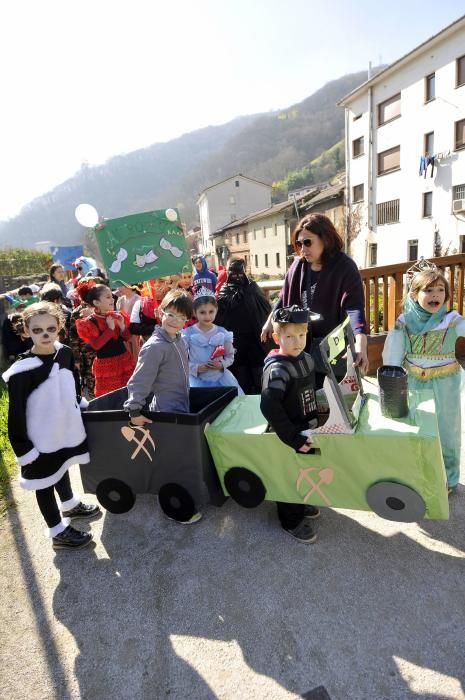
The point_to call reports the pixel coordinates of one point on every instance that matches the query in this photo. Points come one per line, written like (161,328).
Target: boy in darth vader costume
(243,309)
(288,403)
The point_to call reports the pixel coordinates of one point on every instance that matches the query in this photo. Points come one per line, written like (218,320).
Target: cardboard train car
(169,457)
(360,459)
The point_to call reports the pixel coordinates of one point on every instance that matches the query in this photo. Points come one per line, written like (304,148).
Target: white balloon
(171,215)
(87,215)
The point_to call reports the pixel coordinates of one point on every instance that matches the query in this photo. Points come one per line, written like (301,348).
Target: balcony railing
(384,288)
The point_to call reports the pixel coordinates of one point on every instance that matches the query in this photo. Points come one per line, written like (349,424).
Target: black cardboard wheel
(115,495)
(244,487)
(176,502)
(394,501)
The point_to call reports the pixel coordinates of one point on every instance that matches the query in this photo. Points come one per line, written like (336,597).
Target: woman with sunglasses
(327,281)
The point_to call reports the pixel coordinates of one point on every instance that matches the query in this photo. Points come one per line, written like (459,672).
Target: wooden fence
(384,288)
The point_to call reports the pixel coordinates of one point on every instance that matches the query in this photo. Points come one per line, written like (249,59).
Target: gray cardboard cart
(169,456)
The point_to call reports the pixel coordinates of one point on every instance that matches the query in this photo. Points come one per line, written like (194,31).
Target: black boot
(71,539)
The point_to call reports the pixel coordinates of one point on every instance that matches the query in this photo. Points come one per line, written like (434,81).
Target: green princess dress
(424,344)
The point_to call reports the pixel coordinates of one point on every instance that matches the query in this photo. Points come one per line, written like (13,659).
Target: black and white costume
(45,426)
(288,396)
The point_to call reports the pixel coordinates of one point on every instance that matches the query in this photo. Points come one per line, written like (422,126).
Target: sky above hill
(83,81)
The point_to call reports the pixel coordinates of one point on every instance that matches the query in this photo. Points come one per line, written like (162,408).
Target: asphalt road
(232,607)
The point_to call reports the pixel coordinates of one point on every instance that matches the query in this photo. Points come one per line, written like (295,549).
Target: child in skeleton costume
(423,342)
(210,347)
(289,405)
(45,427)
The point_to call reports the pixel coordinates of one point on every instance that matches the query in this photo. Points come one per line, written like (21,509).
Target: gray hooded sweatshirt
(162,369)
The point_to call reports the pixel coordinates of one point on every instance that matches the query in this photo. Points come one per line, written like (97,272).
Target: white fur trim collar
(27,364)
(21,366)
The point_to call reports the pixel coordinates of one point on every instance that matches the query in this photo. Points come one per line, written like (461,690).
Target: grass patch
(7,458)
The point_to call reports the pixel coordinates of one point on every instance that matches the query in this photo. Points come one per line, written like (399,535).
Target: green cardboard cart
(360,459)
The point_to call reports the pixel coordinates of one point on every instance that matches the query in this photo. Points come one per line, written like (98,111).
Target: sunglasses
(307,243)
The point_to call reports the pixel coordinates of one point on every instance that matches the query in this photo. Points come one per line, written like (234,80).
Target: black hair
(52,295)
(94,292)
(53,269)
(25,290)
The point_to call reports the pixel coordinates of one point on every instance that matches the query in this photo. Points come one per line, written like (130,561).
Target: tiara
(203,292)
(421,265)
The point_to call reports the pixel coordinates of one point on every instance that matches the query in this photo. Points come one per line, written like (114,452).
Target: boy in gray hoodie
(163,365)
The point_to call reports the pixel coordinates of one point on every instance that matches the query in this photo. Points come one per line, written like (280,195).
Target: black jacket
(288,397)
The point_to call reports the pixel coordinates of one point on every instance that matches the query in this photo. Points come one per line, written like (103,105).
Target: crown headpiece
(203,292)
(421,265)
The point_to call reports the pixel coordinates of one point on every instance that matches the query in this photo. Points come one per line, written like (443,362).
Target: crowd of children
(159,339)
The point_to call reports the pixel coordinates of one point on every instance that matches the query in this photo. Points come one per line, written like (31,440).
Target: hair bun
(83,289)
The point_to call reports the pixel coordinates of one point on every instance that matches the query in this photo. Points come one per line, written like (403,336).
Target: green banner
(143,246)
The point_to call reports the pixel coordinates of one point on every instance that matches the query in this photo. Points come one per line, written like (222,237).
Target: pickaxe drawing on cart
(129,433)
(325,476)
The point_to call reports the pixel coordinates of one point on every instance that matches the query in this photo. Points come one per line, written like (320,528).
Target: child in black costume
(242,309)
(45,426)
(288,403)
(13,338)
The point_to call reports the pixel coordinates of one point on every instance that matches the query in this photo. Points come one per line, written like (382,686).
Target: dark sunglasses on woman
(307,243)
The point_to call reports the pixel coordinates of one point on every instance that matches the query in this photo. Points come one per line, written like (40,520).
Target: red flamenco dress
(113,364)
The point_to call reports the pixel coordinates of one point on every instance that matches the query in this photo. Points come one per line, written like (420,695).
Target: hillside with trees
(267,146)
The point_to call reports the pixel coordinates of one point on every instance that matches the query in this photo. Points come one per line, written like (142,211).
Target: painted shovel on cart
(129,433)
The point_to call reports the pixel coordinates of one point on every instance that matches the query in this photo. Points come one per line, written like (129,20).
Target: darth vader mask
(236,274)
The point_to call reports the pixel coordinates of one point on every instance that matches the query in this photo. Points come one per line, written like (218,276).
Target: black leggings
(290,514)
(47,501)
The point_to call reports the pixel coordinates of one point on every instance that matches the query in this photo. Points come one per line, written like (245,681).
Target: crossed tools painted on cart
(325,475)
(129,433)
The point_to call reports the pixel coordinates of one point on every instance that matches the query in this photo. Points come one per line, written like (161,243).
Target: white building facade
(269,238)
(405,155)
(227,201)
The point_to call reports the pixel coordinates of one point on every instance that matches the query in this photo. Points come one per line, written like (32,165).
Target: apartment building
(227,201)
(405,154)
(263,238)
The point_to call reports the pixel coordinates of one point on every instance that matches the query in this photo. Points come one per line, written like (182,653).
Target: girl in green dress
(423,342)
